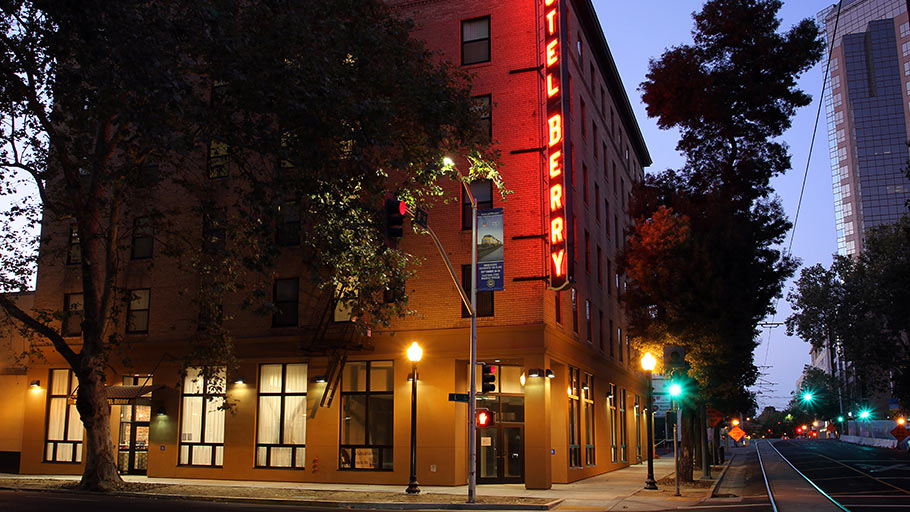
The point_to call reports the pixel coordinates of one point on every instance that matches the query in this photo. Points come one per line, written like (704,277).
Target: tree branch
(53,336)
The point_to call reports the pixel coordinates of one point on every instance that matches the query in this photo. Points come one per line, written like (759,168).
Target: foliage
(826,399)
(702,261)
(858,307)
(116,110)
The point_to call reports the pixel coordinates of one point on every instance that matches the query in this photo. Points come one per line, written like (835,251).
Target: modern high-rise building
(867,101)
(330,405)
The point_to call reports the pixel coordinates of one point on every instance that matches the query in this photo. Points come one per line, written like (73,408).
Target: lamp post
(647,364)
(414,355)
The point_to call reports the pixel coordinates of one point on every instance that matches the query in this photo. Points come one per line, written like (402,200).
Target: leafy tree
(825,403)
(731,94)
(107,104)
(858,307)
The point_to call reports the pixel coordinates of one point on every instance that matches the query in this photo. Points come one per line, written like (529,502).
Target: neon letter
(555,129)
(555,169)
(548,2)
(556,231)
(552,57)
(558,259)
(551,22)
(551,89)
(556,198)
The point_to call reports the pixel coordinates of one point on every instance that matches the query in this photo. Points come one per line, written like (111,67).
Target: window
(611,408)
(219,156)
(905,49)
(584,186)
(587,393)
(599,265)
(202,424)
(905,30)
(607,217)
(578,48)
(584,118)
(600,333)
(609,276)
(587,251)
(558,303)
(611,339)
(591,70)
(74,253)
(143,238)
(281,428)
(623,449)
(475,41)
(484,299)
(597,202)
(483,194)
(574,310)
(214,233)
(483,105)
(285,297)
(288,224)
(137,311)
(619,340)
(594,130)
(366,416)
(73,313)
(574,418)
(588,320)
(63,441)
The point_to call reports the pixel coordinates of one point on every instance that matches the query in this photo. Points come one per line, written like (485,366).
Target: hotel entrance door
(500,448)
(132,450)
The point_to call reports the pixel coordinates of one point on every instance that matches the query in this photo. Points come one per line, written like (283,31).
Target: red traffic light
(402,207)
(484,418)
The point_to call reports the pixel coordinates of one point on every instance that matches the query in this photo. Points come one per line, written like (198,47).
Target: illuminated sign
(555,128)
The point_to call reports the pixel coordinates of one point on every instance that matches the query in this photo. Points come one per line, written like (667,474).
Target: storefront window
(64,428)
(367,425)
(281,430)
(202,424)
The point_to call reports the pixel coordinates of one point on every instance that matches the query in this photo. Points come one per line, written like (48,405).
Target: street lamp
(647,364)
(414,355)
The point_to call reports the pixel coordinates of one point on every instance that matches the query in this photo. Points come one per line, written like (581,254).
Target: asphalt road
(30,501)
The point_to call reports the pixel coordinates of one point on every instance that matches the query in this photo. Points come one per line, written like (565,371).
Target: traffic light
(394,218)
(487,378)
(484,418)
(676,389)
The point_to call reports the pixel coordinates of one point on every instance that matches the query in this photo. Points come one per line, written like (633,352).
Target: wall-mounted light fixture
(321,379)
(161,411)
(535,372)
(238,380)
(34,384)
(550,374)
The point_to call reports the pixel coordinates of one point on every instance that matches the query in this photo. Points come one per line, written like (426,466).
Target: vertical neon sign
(555,128)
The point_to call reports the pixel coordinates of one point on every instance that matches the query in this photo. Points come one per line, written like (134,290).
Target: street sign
(831,428)
(736,433)
(421,218)
(458,397)
(714,417)
(900,433)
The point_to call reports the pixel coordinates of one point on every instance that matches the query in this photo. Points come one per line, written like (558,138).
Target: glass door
(132,451)
(500,448)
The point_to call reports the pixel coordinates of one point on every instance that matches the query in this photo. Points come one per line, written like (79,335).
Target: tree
(824,402)
(858,307)
(105,104)
(731,94)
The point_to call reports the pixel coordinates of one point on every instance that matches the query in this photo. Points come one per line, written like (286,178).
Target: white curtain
(295,419)
(269,418)
(191,427)
(296,378)
(55,423)
(270,378)
(214,420)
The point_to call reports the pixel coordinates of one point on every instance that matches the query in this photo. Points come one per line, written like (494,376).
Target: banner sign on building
(489,250)
(556,130)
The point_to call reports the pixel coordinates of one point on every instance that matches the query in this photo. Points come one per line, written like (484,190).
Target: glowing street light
(414,355)
(675,390)
(901,421)
(647,364)
(735,422)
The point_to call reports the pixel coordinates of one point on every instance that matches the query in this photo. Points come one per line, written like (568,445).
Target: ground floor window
(587,391)
(64,428)
(623,445)
(638,427)
(611,410)
(574,418)
(281,430)
(367,401)
(202,424)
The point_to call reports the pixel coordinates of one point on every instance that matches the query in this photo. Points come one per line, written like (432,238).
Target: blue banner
(489,250)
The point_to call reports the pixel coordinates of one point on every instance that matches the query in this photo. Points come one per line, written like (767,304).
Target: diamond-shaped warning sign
(899,433)
(736,433)
(831,428)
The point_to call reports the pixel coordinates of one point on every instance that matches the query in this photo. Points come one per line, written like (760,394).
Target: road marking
(764,475)
(867,475)
(728,506)
(892,467)
(817,488)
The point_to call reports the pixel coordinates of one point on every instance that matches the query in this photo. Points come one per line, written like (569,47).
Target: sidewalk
(618,490)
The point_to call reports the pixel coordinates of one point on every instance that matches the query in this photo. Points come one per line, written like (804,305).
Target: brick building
(302,414)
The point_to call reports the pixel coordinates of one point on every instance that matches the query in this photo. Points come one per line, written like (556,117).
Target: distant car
(785,436)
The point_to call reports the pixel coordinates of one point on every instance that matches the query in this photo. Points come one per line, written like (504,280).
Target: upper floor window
(74,253)
(288,224)
(137,311)
(72,314)
(484,302)
(285,298)
(219,155)
(483,194)
(143,238)
(475,41)
(484,107)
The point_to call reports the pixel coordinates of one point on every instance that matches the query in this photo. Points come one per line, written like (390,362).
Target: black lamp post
(414,354)
(647,363)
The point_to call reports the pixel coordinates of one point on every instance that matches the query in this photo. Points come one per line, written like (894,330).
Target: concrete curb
(720,479)
(341,505)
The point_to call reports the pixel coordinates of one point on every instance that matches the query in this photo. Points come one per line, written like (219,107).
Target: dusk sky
(639,31)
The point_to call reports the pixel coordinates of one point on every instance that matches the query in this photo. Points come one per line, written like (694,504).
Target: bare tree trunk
(100,472)
(715,439)
(687,447)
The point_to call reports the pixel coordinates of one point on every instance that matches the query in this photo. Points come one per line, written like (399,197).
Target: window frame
(70,438)
(488,39)
(74,249)
(367,393)
(276,303)
(130,311)
(467,215)
(287,232)
(482,297)
(207,396)
(66,329)
(574,418)
(587,390)
(485,111)
(282,419)
(143,229)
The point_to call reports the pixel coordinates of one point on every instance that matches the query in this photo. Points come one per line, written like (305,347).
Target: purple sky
(639,31)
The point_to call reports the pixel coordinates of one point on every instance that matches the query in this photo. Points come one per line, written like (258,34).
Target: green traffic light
(807,396)
(840,419)
(675,389)
(864,415)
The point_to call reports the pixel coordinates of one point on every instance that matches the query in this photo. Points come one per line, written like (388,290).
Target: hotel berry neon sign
(559,204)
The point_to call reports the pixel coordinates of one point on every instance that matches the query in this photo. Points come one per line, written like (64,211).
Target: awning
(122,394)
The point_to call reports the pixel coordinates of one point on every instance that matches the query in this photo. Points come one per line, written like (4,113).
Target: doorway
(132,450)
(500,448)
